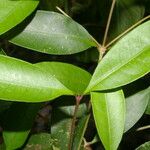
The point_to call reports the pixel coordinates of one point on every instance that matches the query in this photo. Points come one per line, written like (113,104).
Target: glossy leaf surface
(18,121)
(73,77)
(109,116)
(135,107)
(126,61)
(54,33)
(13,12)
(22,81)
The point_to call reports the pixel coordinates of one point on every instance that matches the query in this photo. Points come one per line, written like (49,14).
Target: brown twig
(108,22)
(125,32)
(78,99)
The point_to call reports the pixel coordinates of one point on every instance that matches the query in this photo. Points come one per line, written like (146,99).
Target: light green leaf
(14,12)
(22,81)
(145,146)
(18,121)
(109,115)
(73,77)
(135,107)
(126,61)
(42,141)
(54,33)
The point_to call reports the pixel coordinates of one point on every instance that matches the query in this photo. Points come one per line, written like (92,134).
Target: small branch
(143,128)
(129,29)
(78,99)
(108,22)
(59,9)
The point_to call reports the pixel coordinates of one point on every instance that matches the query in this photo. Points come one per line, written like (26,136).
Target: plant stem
(129,29)
(59,9)
(143,128)
(78,99)
(108,22)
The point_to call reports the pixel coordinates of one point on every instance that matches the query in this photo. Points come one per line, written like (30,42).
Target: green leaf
(54,33)
(145,146)
(74,78)
(80,131)
(148,108)
(18,121)
(60,132)
(62,119)
(14,12)
(126,61)
(42,141)
(109,115)
(22,81)
(139,102)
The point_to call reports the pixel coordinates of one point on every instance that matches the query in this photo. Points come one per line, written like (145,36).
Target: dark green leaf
(135,107)
(127,61)
(41,141)
(109,116)
(79,132)
(145,146)
(17,123)
(62,119)
(14,12)
(22,81)
(74,78)
(54,33)
(148,108)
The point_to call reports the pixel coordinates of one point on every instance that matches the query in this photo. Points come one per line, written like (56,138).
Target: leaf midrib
(61,35)
(116,69)
(108,120)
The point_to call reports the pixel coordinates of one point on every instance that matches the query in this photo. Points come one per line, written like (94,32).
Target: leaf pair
(54,33)
(25,82)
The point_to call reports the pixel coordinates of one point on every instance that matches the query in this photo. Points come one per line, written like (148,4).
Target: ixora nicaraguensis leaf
(12,12)
(22,81)
(126,61)
(109,116)
(17,123)
(54,33)
(73,77)
(135,107)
